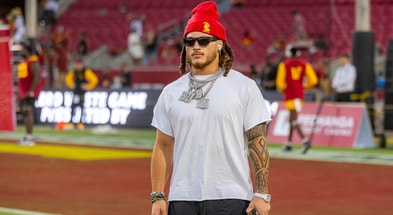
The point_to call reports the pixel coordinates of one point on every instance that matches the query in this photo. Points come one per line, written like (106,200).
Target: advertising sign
(112,107)
(338,124)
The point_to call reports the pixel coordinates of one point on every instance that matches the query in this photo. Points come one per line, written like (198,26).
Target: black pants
(28,104)
(78,101)
(209,207)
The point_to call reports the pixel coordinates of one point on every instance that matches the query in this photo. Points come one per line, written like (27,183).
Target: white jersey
(210,151)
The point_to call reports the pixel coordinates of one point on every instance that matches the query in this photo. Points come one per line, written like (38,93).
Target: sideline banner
(123,108)
(7,103)
(338,124)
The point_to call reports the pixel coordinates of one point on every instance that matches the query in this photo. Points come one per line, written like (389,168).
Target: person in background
(123,7)
(48,13)
(211,130)
(151,45)
(61,43)
(106,78)
(16,20)
(290,81)
(238,3)
(324,82)
(80,80)
(168,52)
(344,79)
(266,69)
(321,44)
(125,77)
(277,45)
(299,25)
(135,47)
(136,22)
(82,48)
(30,84)
(272,75)
(255,75)
(247,39)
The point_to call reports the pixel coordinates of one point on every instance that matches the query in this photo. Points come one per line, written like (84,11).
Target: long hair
(226,58)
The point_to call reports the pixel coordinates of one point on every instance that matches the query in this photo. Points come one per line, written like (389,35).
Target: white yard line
(21,212)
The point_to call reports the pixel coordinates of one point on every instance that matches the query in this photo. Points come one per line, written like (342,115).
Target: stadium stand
(105,25)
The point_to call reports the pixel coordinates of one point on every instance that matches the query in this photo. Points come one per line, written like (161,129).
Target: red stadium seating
(264,18)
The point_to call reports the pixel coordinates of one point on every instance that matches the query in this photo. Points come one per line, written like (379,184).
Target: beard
(202,64)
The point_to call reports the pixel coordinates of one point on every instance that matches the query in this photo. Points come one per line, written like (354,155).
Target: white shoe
(25,141)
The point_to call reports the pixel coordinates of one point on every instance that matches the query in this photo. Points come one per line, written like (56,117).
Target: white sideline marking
(21,212)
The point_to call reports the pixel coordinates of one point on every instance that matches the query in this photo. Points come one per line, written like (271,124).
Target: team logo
(206,27)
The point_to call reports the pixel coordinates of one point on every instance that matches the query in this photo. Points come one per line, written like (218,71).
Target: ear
(219,47)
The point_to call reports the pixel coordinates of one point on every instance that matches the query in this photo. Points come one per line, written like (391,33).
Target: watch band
(264,196)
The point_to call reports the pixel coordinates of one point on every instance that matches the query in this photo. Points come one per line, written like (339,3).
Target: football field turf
(80,172)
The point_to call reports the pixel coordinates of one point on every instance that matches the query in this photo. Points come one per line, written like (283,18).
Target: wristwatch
(266,197)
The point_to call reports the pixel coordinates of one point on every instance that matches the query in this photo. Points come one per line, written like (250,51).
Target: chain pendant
(186,97)
(199,93)
(202,103)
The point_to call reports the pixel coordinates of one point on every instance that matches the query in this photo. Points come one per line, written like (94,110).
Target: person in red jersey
(293,77)
(30,84)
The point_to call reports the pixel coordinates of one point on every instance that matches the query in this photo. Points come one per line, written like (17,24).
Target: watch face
(268,197)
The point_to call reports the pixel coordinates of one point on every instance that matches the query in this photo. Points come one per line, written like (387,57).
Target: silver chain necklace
(195,89)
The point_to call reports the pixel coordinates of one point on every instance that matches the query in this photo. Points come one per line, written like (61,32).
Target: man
(80,80)
(344,79)
(61,42)
(290,81)
(135,46)
(202,120)
(30,83)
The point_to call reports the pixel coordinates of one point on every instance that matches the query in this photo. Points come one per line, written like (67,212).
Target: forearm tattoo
(259,156)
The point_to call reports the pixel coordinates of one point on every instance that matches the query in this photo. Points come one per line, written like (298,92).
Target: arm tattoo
(259,156)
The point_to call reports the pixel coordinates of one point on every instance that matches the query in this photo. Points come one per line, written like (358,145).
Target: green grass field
(144,138)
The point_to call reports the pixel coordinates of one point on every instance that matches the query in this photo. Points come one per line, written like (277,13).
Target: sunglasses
(202,41)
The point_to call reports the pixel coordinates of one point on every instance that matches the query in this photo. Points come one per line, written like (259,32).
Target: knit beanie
(205,19)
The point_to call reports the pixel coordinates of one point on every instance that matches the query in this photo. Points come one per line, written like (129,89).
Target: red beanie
(205,19)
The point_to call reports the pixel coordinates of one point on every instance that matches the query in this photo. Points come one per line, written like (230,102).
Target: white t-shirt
(135,46)
(344,79)
(210,151)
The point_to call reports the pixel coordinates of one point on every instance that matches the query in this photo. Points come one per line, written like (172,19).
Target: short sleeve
(161,116)
(256,110)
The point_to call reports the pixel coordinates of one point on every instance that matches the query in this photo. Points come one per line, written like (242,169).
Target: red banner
(7,107)
(338,124)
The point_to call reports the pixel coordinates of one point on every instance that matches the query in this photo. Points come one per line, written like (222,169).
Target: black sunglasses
(202,41)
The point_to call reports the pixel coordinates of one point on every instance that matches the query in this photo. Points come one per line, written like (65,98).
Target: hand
(258,205)
(30,94)
(84,87)
(159,207)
